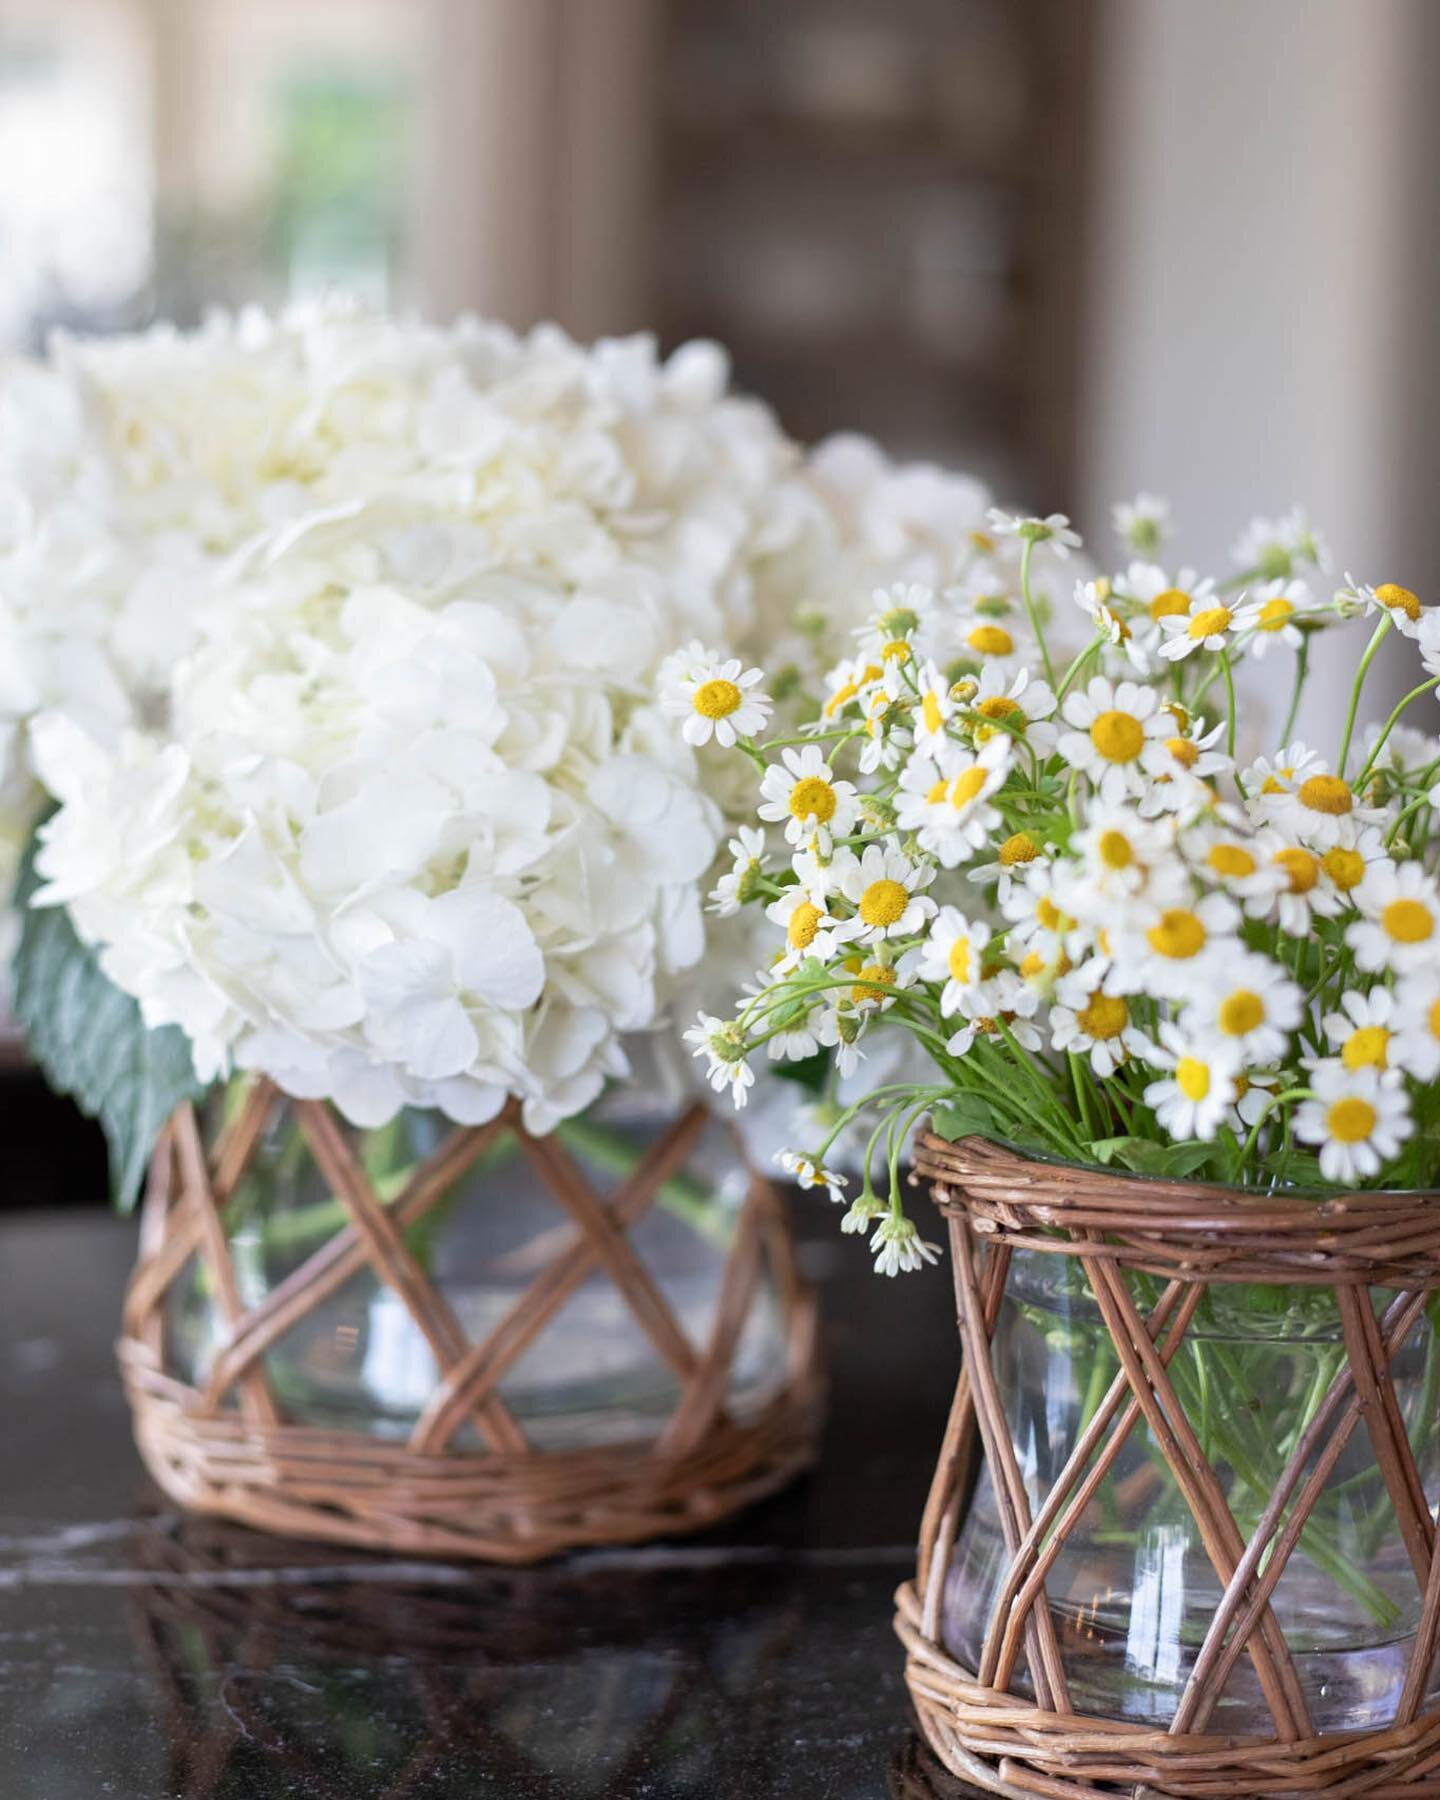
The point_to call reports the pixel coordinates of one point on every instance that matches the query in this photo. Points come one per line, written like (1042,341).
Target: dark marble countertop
(148,1657)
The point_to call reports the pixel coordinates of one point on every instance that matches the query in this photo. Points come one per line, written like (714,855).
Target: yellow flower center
(1240,1012)
(1035,964)
(1366,1048)
(1346,868)
(935,793)
(958,961)
(1118,736)
(812,798)
(1301,868)
(930,712)
(1018,848)
(841,697)
(883,902)
(1274,615)
(1114,849)
(991,640)
(1105,1016)
(1179,934)
(1274,784)
(1398,599)
(1351,1120)
(1000,706)
(804,923)
(1050,916)
(1231,860)
(1327,794)
(966,785)
(1433,1020)
(1184,752)
(982,541)
(1209,623)
(1169,604)
(897,650)
(871,983)
(716,699)
(1192,1077)
(1407,921)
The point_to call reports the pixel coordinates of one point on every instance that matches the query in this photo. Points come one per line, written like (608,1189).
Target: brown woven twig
(1191,1236)
(224,1447)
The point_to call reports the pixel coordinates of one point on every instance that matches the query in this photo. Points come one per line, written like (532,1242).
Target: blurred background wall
(1079,246)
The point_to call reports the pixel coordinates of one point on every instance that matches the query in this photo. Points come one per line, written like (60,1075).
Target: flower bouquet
(1176,976)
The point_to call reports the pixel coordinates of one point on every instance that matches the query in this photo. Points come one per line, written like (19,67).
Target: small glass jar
(1132,1591)
(591,1376)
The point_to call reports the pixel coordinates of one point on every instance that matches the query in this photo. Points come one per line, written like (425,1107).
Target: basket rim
(1023,1158)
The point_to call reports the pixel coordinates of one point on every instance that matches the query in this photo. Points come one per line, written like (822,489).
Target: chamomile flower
(1117,736)
(1087,1020)
(810,1172)
(1268,783)
(1399,927)
(1013,855)
(1175,953)
(1276,548)
(1273,615)
(802,791)
(1040,921)
(723,1044)
(1004,1003)
(990,644)
(899,1248)
(1053,529)
(1191,1101)
(1208,624)
(1121,854)
(715,697)
(1359,1118)
(1357,850)
(1303,894)
(1143,522)
(1416,1025)
(809,929)
(1404,608)
(1194,760)
(876,983)
(946,802)
(1255,1090)
(1225,855)
(954,953)
(1362,1029)
(740,883)
(883,884)
(1094,599)
(900,613)
(1153,596)
(1018,709)
(934,708)
(1249,1004)
(848,683)
(1319,810)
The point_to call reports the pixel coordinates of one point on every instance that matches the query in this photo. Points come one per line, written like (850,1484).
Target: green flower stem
(1362,670)
(1230,722)
(1302,670)
(1032,611)
(1424,688)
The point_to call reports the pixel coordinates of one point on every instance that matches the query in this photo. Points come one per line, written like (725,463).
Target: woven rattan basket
(224,1446)
(1187,1236)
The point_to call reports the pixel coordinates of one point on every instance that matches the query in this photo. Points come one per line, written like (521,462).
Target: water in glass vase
(590,1376)
(1132,1590)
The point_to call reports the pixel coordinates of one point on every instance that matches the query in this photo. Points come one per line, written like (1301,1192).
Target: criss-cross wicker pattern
(226,1448)
(1190,1235)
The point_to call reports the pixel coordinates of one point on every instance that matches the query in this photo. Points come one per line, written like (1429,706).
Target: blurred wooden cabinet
(877,207)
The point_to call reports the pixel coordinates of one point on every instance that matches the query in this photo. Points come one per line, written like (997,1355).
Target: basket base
(346,1488)
(1007,1745)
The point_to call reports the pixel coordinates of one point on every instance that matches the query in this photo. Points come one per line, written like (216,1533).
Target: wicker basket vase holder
(224,1446)
(1188,1236)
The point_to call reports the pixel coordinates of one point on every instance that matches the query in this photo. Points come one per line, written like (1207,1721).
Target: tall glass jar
(1132,1590)
(590,1377)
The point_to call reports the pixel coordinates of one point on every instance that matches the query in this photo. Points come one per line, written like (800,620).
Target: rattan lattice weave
(1189,1235)
(225,1447)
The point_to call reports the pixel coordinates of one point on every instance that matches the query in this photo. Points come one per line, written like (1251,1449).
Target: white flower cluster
(407,825)
(1113,941)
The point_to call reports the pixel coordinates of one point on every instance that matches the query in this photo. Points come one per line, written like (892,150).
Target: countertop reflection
(148,1657)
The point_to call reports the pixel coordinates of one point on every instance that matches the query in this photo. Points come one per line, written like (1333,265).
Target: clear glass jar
(590,1377)
(1132,1591)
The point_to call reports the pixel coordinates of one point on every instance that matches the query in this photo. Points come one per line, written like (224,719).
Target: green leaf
(91,1041)
(1143,1156)
(967,1115)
